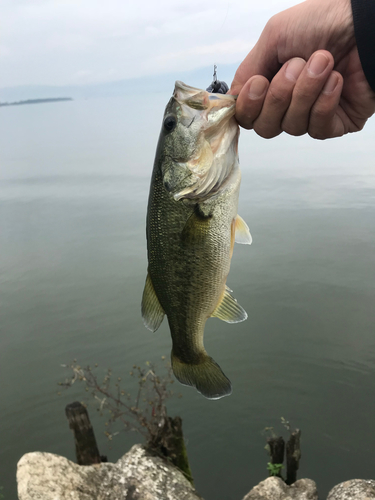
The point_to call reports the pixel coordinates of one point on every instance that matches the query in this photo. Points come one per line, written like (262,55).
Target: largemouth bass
(192,224)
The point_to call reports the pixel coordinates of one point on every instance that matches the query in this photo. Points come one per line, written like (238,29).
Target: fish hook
(217,87)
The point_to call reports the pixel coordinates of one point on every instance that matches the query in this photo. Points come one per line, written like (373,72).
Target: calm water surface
(73,195)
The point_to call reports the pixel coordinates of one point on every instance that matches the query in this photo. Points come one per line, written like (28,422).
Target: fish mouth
(216,153)
(188,89)
(202,99)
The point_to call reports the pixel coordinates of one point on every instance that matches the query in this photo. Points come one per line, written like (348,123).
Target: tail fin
(207,377)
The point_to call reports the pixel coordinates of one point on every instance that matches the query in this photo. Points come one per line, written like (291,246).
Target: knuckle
(277,96)
(320,112)
(266,132)
(304,94)
(319,134)
(266,135)
(293,128)
(271,23)
(247,125)
(329,131)
(295,132)
(271,31)
(244,120)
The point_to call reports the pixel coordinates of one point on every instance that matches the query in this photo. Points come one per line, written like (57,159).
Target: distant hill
(36,101)
(200,78)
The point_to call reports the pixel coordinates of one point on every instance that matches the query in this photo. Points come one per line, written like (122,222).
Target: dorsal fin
(229,309)
(242,234)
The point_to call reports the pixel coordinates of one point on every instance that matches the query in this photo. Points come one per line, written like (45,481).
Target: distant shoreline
(36,101)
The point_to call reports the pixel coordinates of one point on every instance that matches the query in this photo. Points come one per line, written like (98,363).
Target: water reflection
(73,196)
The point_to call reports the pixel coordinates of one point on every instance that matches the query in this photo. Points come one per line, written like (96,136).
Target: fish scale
(190,237)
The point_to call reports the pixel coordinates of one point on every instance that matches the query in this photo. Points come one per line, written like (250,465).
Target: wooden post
(168,440)
(277,447)
(293,455)
(87,452)
(177,443)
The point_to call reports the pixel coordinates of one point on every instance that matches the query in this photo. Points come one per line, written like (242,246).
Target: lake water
(73,195)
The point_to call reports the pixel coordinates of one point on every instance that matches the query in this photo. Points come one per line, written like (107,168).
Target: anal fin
(152,312)
(242,234)
(229,309)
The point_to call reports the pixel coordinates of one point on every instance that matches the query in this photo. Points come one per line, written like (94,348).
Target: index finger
(261,60)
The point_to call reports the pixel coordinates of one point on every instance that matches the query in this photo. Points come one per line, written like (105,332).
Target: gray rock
(355,489)
(138,475)
(274,488)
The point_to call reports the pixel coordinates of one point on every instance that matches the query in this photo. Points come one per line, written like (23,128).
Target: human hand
(320,88)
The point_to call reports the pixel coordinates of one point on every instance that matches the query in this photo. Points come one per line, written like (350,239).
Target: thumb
(261,60)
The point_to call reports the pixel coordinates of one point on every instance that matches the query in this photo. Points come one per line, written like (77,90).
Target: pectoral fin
(196,228)
(229,309)
(152,312)
(242,232)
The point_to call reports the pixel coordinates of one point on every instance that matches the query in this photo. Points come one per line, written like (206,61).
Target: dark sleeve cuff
(364,29)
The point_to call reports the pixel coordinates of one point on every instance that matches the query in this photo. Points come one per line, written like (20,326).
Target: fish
(192,224)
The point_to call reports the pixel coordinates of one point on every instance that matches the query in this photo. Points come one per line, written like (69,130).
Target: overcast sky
(62,42)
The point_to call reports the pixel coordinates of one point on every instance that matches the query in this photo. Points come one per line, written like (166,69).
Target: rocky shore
(142,475)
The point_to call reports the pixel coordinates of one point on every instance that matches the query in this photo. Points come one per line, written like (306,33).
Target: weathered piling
(293,455)
(169,442)
(177,441)
(276,449)
(87,452)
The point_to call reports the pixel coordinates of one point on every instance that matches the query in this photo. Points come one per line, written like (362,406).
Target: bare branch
(149,412)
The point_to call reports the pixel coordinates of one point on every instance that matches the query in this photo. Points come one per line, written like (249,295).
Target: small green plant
(277,447)
(274,469)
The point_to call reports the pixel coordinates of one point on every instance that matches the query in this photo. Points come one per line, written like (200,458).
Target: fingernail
(294,68)
(257,88)
(331,84)
(318,64)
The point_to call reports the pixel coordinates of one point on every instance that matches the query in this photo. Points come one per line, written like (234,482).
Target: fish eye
(170,123)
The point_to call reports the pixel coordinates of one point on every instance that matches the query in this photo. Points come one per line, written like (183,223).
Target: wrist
(363,21)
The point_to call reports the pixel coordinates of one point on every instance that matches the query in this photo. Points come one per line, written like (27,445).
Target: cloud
(201,55)
(68,41)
